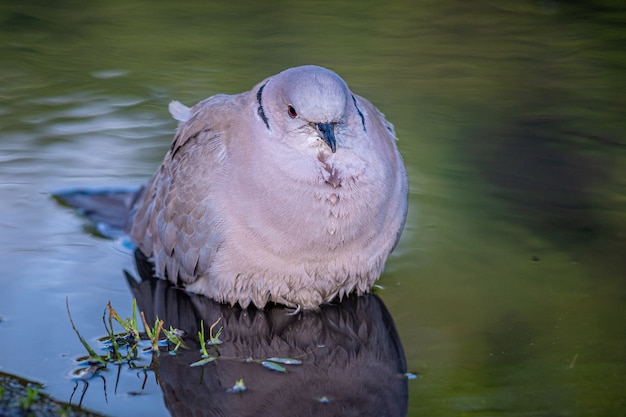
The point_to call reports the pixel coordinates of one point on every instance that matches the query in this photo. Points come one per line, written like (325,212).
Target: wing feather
(175,220)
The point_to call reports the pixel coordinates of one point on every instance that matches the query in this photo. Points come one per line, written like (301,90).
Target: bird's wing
(175,221)
(377,126)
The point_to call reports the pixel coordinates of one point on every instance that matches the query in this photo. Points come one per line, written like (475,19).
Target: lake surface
(508,288)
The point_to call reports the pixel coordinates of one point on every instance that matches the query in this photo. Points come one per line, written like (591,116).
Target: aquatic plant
(175,337)
(32,393)
(92,353)
(213,341)
(153,333)
(124,348)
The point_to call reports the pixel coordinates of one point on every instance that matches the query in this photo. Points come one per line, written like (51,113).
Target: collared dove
(293,193)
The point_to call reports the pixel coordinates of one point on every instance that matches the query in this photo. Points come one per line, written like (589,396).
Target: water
(507,289)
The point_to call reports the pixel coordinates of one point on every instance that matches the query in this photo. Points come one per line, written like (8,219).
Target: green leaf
(203,361)
(274,366)
(92,353)
(286,361)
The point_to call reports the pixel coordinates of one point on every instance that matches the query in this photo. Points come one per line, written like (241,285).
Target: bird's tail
(109,210)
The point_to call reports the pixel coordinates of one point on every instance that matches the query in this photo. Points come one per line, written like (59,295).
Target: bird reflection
(352,361)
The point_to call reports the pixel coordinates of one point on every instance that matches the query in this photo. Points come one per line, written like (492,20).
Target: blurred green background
(508,287)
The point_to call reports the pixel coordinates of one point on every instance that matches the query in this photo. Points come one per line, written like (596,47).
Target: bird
(292,193)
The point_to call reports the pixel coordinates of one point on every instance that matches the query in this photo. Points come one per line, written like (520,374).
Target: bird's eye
(292,112)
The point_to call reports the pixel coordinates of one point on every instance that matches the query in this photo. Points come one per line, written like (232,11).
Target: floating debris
(286,361)
(274,366)
(238,387)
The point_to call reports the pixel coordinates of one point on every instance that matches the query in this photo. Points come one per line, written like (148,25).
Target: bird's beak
(327,133)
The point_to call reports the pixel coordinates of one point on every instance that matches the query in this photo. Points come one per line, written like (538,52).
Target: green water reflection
(508,286)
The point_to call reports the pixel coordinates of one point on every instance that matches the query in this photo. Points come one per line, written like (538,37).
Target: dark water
(508,288)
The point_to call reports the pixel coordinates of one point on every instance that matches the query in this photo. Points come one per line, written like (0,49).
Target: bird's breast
(342,212)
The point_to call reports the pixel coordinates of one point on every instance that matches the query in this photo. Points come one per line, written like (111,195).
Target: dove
(292,193)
